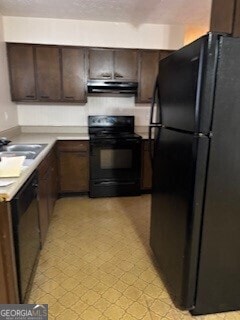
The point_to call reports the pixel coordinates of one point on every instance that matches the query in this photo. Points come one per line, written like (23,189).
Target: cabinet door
(164,53)
(8,275)
(125,65)
(47,191)
(53,183)
(149,60)
(43,194)
(22,74)
(3,283)
(48,73)
(146,167)
(100,64)
(73,73)
(73,165)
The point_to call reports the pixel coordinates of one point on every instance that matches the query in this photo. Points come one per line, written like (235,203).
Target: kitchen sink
(30,151)
(24,147)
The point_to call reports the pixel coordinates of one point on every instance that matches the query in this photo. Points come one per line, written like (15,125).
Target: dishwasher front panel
(26,234)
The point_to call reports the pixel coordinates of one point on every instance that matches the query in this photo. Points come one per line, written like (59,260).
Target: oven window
(116,159)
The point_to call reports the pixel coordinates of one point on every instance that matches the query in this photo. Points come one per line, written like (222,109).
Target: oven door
(115,159)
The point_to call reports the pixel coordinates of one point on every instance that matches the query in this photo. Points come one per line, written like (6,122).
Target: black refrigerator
(195,213)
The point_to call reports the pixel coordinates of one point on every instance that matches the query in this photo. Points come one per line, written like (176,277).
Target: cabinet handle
(117,75)
(105,75)
(45,97)
(29,96)
(69,97)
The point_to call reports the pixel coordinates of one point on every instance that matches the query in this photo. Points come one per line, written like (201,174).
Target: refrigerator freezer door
(186,84)
(179,169)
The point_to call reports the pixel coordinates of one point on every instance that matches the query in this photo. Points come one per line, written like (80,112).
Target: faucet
(4,141)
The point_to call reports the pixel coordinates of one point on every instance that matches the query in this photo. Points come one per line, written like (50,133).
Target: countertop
(8,192)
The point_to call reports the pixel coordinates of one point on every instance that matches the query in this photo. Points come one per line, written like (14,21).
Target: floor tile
(97,264)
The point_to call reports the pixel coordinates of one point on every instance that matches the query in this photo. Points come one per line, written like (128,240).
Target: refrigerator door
(219,267)
(186,83)
(179,169)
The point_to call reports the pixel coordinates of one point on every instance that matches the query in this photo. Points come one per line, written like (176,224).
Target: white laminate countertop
(8,192)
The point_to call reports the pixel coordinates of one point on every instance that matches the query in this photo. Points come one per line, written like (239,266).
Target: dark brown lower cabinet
(47,191)
(47,195)
(8,276)
(73,166)
(146,179)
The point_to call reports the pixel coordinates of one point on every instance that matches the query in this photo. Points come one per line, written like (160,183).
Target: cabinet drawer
(73,146)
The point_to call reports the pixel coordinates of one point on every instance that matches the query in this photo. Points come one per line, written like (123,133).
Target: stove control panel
(111,121)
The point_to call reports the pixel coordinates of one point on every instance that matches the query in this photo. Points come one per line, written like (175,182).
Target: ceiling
(184,12)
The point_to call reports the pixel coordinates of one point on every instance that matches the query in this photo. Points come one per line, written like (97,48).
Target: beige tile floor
(96,264)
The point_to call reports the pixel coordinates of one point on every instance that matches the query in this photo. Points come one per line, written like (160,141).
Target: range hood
(111,87)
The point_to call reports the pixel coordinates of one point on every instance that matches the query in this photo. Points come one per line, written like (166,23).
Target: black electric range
(115,156)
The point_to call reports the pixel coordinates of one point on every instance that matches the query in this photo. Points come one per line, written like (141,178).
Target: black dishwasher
(24,208)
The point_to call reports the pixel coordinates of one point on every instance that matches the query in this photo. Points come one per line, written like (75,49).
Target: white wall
(76,115)
(92,33)
(8,110)
(88,33)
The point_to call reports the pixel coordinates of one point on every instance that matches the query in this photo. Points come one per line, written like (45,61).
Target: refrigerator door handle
(150,144)
(156,94)
(152,141)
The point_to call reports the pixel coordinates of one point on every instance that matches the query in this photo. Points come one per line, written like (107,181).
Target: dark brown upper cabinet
(100,64)
(225,17)
(112,64)
(21,71)
(73,74)
(148,70)
(125,64)
(147,73)
(48,73)
(165,53)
